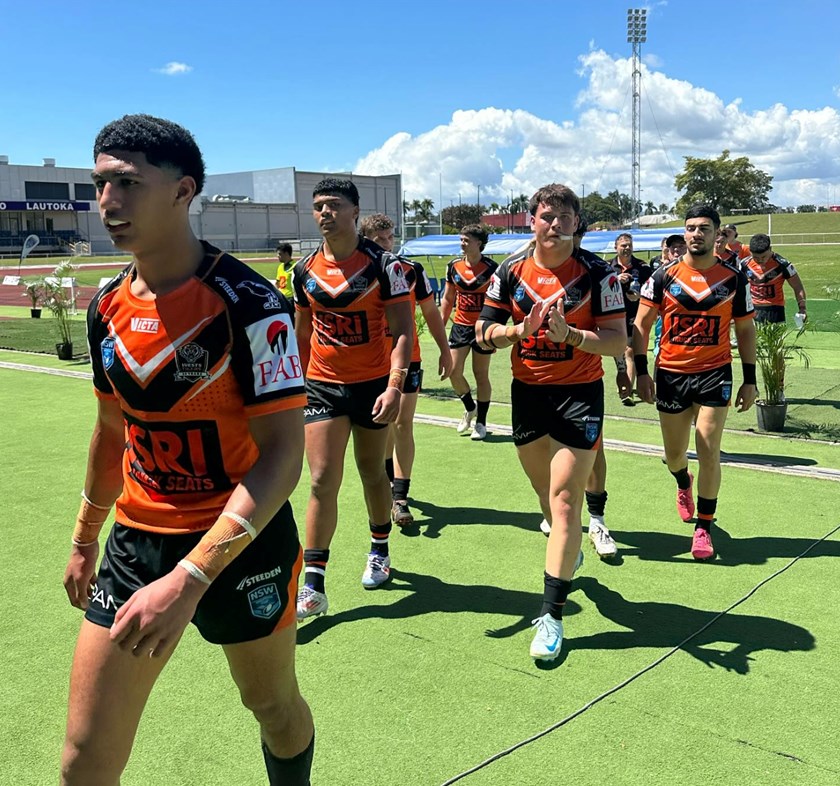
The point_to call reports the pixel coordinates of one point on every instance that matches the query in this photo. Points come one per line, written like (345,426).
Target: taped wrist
(574,338)
(221,544)
(396,379)
(640,362)
(89,521)
(749,373)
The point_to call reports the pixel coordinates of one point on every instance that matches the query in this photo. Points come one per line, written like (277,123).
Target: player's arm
(401,324)
(103,483)
(303,334)
(645,317)
(447,302)
(153,618)
(493,334)
(745,336)
(438,332)
(799,291)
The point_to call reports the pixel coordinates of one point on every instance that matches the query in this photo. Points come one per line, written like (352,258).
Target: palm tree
(494,208)
(519,204)
(424,211)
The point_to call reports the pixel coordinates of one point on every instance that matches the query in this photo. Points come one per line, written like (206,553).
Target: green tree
(519,204)
(725,183)
(458,216)
(600,210)
(806,209)
(424,211)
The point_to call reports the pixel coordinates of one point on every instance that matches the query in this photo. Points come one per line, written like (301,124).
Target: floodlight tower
(636,35)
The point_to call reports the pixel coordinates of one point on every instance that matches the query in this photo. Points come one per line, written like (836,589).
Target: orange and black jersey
(188,369)
(470,283)
(697,307)
(421,291)
(767,280)
(347,300)
(588,291)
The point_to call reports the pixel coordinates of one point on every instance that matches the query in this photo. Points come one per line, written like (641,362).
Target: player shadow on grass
(430,595)
(730,551)
(665,625)
(436,518)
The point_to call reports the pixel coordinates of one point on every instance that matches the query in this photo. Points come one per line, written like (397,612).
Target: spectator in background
(283,280)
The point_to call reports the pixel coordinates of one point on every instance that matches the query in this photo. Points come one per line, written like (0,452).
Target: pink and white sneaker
(685,500)
(701,545)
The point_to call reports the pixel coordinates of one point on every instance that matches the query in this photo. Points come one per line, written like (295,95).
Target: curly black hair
(163,142)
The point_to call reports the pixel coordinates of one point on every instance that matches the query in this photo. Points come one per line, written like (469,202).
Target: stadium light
(636,35)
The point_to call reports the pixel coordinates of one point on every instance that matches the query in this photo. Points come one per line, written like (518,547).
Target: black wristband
(749,373)
(640,362)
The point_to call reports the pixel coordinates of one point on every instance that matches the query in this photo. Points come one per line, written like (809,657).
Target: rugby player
(632,272)
(767,271)
(467,279)
(199,441)
(698,297)
(567,310)
(400,448)
(344,293)
(283,279)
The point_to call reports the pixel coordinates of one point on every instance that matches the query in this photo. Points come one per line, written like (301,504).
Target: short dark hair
(375,223)
(477,231)
(623,234)
(673,240)
(582,227)
(759,243)
(703,211)
(285,248)
(333,186)
(555,195)
(732,227)
(164,143)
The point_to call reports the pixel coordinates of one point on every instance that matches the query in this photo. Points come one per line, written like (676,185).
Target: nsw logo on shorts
(726,391)
(591,429)
(264,601)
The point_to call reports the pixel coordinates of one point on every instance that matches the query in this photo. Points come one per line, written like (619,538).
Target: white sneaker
(466,421)
(548,639)
(311,603)
(479,431)
(545,527)
(601,539)
(377,571)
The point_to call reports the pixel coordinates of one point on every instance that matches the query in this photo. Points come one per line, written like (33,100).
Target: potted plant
(775,344)
(60,304)
(35,290)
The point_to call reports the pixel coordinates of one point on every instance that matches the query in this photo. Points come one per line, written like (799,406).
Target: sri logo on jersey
(144,325)
(191,362)
(397,279)
(611,296)
(269,294)
(695,330)
(264,601)
(274,350)
(108,352)
(341,328)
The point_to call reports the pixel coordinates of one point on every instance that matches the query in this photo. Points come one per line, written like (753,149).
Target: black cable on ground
(639,673)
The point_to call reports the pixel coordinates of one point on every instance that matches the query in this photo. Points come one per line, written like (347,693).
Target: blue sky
(501,95)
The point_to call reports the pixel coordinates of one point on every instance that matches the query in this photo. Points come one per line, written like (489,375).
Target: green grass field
(418,681)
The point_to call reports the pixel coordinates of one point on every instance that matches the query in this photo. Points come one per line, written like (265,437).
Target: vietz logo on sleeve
(275,354)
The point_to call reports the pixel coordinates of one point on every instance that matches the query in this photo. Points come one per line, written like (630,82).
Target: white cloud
(174,69)
(504,150)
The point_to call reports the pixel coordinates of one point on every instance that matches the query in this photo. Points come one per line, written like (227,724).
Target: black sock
(379,538)
(481,417)
(389,469)
(400,489)
(683,480)
(555,592)
(705,513)
(289,772)
(315,566)
(596,501)
(467,401)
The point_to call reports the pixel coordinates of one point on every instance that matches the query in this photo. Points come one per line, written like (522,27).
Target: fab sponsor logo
(276,361)
(610,296)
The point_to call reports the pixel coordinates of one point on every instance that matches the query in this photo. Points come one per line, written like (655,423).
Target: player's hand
(152,620)
(80,576)
(745,398)
(536,316)
(645,388)
(622,381)
(387,406)
(624,278)
(445,364)
(558,329)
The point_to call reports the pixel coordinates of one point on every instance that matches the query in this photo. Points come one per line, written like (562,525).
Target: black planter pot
(65,351)
(771,417)
(35,313)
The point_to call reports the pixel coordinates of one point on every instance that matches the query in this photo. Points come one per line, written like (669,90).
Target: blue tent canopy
(503,245)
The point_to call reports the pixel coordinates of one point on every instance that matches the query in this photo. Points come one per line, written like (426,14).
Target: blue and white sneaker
(377,571)
(548,639)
